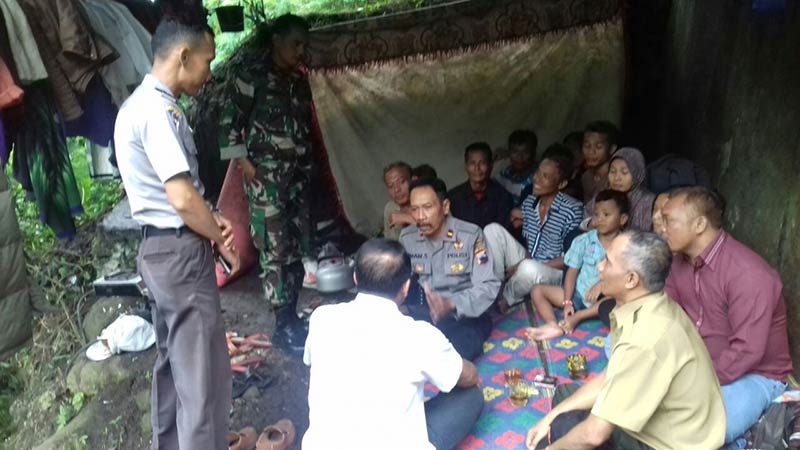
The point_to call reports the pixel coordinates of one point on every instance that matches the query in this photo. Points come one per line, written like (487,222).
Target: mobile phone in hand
(225,266)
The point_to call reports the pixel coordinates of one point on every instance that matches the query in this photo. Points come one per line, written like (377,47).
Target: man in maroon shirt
(735,300)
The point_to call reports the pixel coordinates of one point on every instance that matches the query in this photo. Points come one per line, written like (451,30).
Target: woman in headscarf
(626,173)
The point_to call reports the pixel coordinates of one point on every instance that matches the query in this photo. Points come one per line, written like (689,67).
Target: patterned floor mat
(503,425)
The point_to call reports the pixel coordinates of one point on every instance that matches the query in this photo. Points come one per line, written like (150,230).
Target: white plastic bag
(128,333)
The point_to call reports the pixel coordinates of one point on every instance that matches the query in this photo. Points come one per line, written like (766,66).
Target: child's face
(521,158)
(607,218)
(595,149)
(619,177)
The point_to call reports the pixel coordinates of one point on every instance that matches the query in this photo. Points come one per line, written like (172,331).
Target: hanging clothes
(3,149)
(116,24)
(10,93)
(71,51)
(99,115)
(28,63)
(41,151)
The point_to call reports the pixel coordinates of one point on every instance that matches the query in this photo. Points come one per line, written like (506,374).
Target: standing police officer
(191,393)
(457,284)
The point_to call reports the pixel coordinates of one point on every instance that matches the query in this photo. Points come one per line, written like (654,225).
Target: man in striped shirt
(548,216)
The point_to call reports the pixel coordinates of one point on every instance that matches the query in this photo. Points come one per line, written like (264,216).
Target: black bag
(773,428)
(671,171)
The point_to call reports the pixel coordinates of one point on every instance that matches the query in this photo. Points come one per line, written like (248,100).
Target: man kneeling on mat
(659,390)
(369,365)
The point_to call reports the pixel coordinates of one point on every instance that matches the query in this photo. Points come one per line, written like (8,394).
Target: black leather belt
(151,231)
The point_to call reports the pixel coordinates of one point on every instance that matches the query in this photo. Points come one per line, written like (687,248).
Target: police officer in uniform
(455,284)
(191,392)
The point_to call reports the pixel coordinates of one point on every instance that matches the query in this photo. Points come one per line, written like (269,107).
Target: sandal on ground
(245,439)
(279,436)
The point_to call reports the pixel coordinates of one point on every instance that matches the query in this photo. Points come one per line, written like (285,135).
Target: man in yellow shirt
(659,390)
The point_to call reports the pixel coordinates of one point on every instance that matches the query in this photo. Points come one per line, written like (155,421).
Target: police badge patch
(175,115)
(481,257)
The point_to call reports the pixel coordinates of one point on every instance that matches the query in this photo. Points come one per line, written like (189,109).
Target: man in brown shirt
(659,390)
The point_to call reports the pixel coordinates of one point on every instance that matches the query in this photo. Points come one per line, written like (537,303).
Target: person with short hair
(547,216)
(522,164)
(480,200)
(157,158)
(369,358)
(455,284)
(396,216)
(265,125)
(599,144)
(582,292)
(735,300)
(424,172)
(659,390)
(658,220)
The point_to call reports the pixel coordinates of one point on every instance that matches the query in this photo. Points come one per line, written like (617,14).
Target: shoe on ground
(245,439)
(279,436)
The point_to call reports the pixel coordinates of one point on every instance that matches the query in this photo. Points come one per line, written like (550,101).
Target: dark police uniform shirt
(457,266)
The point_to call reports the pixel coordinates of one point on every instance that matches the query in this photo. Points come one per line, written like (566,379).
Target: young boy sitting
(581,292)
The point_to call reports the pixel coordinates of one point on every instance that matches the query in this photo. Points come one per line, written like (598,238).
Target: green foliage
(68,410)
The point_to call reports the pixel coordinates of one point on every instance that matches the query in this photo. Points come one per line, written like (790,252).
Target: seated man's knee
(493,233)
(475,399)
(529,269)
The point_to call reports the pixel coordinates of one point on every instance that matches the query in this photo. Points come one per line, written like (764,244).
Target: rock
(146,424)
(92,377)
(143,400)
(81,425)
(104,311)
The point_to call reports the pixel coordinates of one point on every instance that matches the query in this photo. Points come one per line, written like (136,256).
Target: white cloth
(506,252)
(128,333)
(130,39)
(26,55)
(369,364)
(154,143)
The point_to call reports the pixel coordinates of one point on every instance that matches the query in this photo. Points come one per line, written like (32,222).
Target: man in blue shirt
(547,216)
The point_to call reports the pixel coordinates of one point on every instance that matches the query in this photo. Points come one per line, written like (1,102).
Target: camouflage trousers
(280,226)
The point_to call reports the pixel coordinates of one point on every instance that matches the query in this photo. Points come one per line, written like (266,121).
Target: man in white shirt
(369,365)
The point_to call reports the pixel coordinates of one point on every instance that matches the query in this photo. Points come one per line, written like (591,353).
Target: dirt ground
(245,312)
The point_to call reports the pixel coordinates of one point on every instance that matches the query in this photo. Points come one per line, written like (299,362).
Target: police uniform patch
(450,233)
(457,268)
(481,256)
(175,115)
(418,268)
(458,245)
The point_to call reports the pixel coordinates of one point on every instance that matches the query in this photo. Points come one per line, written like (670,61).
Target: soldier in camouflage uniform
(265,125)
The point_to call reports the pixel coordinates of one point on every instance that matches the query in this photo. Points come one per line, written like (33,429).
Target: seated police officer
(455,284)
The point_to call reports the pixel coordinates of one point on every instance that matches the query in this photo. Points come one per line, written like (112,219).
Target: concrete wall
(728,95)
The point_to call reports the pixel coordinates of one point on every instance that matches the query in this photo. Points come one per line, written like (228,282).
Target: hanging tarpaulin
(421,91)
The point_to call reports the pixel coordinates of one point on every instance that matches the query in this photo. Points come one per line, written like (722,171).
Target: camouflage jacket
(266,115)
